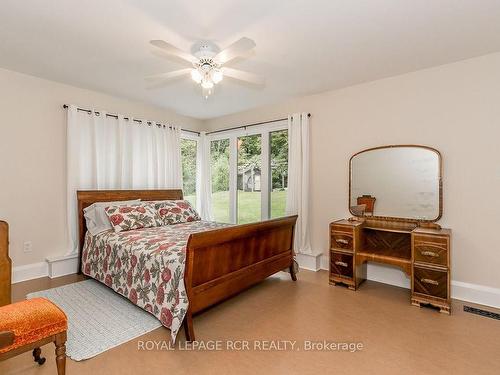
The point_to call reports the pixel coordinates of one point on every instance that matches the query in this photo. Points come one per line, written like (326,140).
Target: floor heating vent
(487,314)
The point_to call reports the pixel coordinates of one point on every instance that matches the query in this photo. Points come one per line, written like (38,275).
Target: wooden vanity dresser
(422,253)
(410,240)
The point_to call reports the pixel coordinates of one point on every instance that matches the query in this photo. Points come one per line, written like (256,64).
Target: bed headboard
(87,197)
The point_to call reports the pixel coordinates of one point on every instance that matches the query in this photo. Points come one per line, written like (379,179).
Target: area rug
(98,318)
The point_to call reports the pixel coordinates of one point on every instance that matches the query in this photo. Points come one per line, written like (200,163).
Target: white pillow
(96,218)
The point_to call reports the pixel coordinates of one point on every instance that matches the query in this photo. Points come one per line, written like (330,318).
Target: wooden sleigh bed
(219,263)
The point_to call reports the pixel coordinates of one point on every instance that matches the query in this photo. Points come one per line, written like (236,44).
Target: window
(249,173)
(188,156)
(249,178)
(219,161)
(279,172)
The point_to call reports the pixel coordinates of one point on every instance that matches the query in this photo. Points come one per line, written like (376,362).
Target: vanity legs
(349,286)
(443,308)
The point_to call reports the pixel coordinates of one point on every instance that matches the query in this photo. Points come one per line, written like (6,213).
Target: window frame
(191,137)
(265,192)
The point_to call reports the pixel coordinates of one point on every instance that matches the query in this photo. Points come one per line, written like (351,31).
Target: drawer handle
(428,253)
(340,240)
(429,281)
(339,263)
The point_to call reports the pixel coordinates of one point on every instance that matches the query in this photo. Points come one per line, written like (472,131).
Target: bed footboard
(223,262)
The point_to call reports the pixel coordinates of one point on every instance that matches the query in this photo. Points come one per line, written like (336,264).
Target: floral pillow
(133,216)
(176,211)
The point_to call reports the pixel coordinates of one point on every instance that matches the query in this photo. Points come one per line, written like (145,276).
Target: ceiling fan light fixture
(217,75)
(206,92)
(207,84)
(196,76)
(206,63)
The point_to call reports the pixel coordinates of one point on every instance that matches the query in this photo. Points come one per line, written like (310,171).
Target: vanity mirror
(395,194)
(402,182)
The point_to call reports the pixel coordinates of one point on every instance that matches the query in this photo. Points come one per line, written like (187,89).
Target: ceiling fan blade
(236,49)
(169,75)
(165,78)
(240,75)
(165,55)
(172,50)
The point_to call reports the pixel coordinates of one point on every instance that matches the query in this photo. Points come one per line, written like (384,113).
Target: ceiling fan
(207,63)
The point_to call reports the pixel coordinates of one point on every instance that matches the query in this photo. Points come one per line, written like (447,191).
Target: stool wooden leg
(60,343)
(37,356)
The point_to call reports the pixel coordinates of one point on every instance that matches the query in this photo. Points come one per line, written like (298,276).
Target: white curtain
(104,152)
(203,178)
(297,199)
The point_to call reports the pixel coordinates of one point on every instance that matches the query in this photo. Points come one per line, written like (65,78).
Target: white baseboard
(29,272)
(387,275)
(62,265)
(324,262)
(54,266)
(480,294)
(309,261)
(474,293)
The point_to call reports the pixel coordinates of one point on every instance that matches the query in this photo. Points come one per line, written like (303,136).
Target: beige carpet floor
(397,338)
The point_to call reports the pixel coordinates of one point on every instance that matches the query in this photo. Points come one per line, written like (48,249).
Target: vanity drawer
(345,229)
(431,282)
(430,249)
(341,264)
(341,240)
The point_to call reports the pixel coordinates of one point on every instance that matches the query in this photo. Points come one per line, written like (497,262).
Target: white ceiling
(303,46)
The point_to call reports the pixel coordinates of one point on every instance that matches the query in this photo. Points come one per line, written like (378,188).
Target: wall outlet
(27,246)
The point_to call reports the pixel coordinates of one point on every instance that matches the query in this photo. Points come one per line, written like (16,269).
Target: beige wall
(454,108)
(33,154)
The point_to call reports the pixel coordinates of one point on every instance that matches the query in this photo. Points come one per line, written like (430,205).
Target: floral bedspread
(146,266)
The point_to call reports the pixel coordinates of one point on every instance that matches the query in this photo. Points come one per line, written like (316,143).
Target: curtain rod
(89,111)
(254,124)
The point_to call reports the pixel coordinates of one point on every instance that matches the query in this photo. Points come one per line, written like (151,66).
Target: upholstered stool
(28,325)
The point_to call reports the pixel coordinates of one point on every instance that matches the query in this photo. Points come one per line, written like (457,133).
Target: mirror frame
(404,219)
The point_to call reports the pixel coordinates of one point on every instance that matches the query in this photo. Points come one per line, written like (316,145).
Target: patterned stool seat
(31,320)
(30,324)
